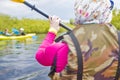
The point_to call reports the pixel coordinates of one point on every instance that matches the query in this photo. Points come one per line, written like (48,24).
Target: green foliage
(116,19)
(30,25)
(41,26)
(71,21)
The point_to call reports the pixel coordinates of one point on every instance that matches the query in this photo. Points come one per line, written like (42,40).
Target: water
(17,60)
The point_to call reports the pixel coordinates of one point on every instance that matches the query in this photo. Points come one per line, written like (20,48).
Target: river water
(17,60)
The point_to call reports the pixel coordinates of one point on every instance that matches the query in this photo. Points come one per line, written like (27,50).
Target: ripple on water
(17,62)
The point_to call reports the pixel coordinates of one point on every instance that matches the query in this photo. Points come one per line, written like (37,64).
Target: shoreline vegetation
(41,25)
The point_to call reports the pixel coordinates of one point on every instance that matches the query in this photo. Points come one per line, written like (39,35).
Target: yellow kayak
(2,37)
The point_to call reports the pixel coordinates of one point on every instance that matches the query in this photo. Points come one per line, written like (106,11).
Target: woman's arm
(49,49)
(49,39)
(40,54)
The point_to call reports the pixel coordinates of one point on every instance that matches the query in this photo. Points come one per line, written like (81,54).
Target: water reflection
(17,60)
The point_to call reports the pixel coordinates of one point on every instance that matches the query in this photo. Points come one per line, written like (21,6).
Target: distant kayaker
(6,32)
(22,31)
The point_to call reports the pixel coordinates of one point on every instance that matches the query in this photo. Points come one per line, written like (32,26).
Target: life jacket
(98,45)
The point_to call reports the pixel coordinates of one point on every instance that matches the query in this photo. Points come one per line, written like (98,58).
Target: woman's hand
(54,22)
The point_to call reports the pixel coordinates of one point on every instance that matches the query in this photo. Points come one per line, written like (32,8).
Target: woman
(6,32)
(21,31)
(97,39)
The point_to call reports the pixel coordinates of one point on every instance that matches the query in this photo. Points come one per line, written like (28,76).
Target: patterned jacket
(99,47)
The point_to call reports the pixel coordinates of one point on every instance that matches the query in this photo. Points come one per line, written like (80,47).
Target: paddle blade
(18,1)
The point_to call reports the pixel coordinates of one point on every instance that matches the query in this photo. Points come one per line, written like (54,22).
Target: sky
(62,8)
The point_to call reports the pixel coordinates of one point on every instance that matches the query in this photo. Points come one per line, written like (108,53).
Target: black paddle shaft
(45,15)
